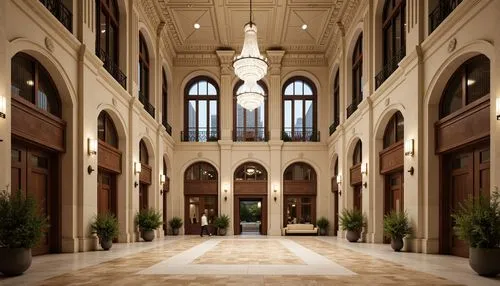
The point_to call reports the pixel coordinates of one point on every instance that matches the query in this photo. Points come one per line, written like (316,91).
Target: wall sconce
(137,167)
(90,169)
(225,194)
(409,151)
(365,184)
(163,179)
(275,193)
(411,170)
(364,169)
(92,146)
(339,179)
(136,184)
(3,106)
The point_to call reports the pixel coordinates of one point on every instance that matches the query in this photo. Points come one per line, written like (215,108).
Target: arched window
(143,153)
(106,131)
(31,81)
(201,122)
(300,172)
(394,44)
(144,76)
(250,125)
(201,171)
(336,103)
(250,172)
(336,168)
(394,132)
(164,167)
(357,76)
(299,110)
(470,82)
(164,97)
(357,156)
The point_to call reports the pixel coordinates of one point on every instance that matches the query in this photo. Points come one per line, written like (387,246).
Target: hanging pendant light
(250,67)
(250,98)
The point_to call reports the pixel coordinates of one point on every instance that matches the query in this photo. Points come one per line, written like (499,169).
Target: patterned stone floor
(129,265)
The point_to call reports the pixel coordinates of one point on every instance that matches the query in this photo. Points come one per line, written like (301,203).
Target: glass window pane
(288,115)
(192,114)
(262,118)
(211,89)
(452,100)
(103,32)
(240,119)
(202,115)
(193,90)
(478,79)
(213,118)
(23,78)
(397,33)
(298,115)
(202,88)
(298,89)
(251,118)
(100,128)
(307,89)
(291,211)
(112,44)
(289,89)
(47,97)
(309,114)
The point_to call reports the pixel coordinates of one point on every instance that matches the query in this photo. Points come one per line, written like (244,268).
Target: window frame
(357,154)
(357,71)
(245,112)
(336,97)
(107,119)
(201,164)
(393,9)
(144,67)
(393,122)
(143,153)
(258,167)
(164,96)
(112,19)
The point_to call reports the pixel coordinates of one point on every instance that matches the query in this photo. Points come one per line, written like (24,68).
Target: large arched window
(32,82)
(394,44)
(106,130)
(357,76)
(250,125)
(164,98)
(201,123)
(201,172)
(144,76)
(299,110)
(143,153)
(357,156)
(470,82)
(336,103)
(107,43)
(394,132)
(250,172)
(300,172)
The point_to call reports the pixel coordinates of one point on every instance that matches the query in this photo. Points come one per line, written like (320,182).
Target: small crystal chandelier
(250,67)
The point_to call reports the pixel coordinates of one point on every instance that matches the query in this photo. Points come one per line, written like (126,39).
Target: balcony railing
(334,125)
(300,135)
(147,105)
(248,134)
(167,126)
(390,67)
(63,14)
(352,108)
(112,68)
(200,135)
(443,9)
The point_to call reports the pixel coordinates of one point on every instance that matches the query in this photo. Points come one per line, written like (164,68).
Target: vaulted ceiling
(279,23)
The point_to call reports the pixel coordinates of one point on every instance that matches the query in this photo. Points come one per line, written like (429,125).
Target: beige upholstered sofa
(300,228)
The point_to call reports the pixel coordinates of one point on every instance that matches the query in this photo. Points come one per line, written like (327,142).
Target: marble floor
(248,260)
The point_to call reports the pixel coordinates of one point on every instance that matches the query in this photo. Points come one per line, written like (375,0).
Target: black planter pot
(222,231)
(175,231)
(106,243)
(352,236)
(485,261)
(397,243)
(322,231)
(148,235)
(14,261)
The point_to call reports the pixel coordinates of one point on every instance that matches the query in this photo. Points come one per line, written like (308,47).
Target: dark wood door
(165,219)
(143,196)
(106,192)
(394,192)
(194,208)
(335,190)
(357,197)
(34,172)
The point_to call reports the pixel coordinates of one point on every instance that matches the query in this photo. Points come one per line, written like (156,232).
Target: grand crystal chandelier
(250,67)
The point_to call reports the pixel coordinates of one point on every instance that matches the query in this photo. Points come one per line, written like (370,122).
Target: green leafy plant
(323,223)
(351,220)
(148,219)
(285,137)
(477,221)
(222,221)
(21,224)
(106,226)
(396,224)
(175,222)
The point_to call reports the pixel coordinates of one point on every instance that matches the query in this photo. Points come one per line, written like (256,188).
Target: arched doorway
(37,143)
(356,177)
(335,191)
(462,143)
(164,192)
(299,191)
(109,164)
(200,194)
(250,199)
(144,176)
(391,165)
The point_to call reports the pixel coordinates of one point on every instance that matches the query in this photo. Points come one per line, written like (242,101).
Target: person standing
(204,224)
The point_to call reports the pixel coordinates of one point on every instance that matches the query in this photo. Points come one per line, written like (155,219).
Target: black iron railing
(147,105)
(200,135)
(390,67)
(443,9)
(300,135)
(334,125)
(112,68)
(167,126)
(242,134)
(352,108)
(63,14)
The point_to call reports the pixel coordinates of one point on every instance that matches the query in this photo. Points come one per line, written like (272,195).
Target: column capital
(226,61)
(274,57)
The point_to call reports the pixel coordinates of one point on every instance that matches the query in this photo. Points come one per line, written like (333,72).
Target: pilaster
(275,206)
(226,92)
(274,96)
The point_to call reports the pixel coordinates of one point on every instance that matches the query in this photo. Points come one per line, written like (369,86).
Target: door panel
(357,197)
(143,196)
(195,205)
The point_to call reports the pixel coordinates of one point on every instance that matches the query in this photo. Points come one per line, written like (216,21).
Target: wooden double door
(358,196)
(394,192)
(194,208)
(466,174)
(106,192)
(34,171)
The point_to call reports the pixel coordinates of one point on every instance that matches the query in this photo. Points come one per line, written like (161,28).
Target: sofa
(300,228)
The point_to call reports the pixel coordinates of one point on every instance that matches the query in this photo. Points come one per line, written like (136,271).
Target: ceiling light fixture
(304,27)
(250,67)
(196,26)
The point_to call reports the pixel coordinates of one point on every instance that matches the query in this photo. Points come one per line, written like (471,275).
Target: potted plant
(477,222)
(352,221)
(148,220)
(106,227)
(222,223)
(175,223)
(21,228)
(396,226)
(323,225)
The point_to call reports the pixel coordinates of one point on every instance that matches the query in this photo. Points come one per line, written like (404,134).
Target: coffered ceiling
(279,23)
